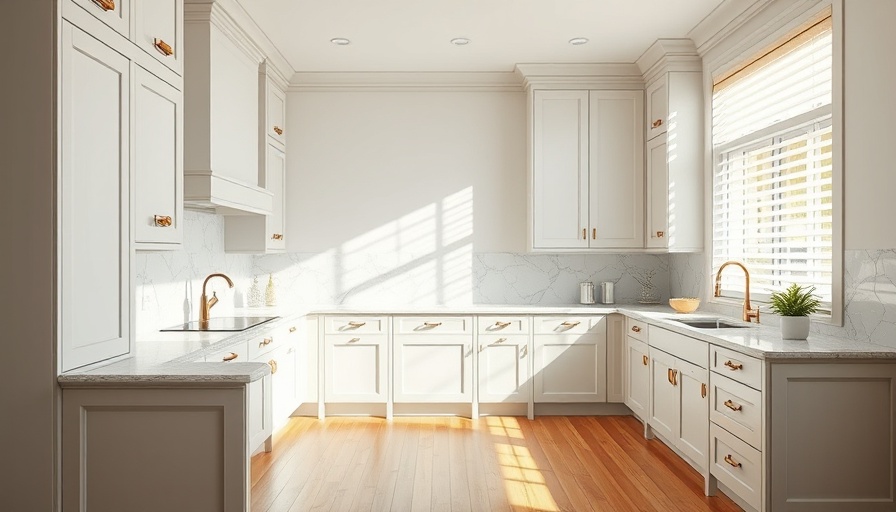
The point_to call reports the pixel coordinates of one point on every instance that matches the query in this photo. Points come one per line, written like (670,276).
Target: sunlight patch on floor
(524,482)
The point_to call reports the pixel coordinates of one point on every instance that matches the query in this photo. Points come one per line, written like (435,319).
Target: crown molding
(724,19)
(406,81)
(590,76)
(669,55)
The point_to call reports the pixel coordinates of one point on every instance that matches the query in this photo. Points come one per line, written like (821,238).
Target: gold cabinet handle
(355,325)
(584,233)
(106,5)
(594,233)
(432,324)
(163,47)
(265,342)
(162,221)
(501,325)
(354,340)
(674,377)
(273,365)
(635,328)
(657,123)
(231,356)
(729,404)
(644,360)
(660,234)
(278,130)
(570,325)
(277,236)
(669,375)
(734,366)
(292,329)
(731,462)
(702,390)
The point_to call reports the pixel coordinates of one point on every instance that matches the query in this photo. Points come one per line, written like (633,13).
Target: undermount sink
(711,323)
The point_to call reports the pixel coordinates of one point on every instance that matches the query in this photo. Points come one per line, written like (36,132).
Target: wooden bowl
(684,304)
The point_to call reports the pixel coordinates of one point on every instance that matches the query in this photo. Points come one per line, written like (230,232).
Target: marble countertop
(178,357)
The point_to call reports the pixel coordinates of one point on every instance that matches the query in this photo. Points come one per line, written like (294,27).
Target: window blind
(772,196)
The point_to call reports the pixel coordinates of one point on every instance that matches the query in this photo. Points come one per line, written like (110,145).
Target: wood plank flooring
(550,464)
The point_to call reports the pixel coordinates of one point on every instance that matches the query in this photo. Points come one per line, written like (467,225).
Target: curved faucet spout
(205,304)
(749,313)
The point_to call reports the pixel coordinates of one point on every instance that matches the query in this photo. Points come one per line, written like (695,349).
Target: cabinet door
(504,368)
(356,368)
(616,170)
(275,182)
(95,251)
(116,14)
(664,399)
(283,383)
(693,430)
(433,368)
(570,368)
(275,108)
(637,376)
(158,162)
(259,410)
(658,191)
(160,30)
(560,177)
(657,107)
(615,356)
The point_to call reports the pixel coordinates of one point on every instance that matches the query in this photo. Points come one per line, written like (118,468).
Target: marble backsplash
(869,294)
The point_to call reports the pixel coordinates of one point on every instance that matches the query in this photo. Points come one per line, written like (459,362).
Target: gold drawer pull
(162,221)
(669,375)
(584,233)
(594,233)
(657,123)
(644,360)
(163,47)
(702,390)
(432,324)
(106,5)
(674,377)
(292,329)
(355,325)
(277,236)
(660,234)
(273,365)
(570,325)
(278,130)
(635,328)
(501,325)
(731,461)
(354,340)
(734,366)
(729,404)
(265,342)
(231,356)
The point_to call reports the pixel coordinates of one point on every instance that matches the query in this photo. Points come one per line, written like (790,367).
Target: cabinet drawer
(683,347)
(503,325)
(744,369)
(355,324)
(425,325)
(115,14)
(567,324)
(636,329)
(235,353)
(737,408)
(267,342)
(736,464)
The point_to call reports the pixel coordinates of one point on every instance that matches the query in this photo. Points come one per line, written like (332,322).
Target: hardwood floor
(496,463)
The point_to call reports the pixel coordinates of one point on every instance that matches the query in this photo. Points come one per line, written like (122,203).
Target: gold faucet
(749,313)
(205,304)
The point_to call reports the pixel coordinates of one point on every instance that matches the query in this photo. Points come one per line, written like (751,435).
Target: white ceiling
(413,35)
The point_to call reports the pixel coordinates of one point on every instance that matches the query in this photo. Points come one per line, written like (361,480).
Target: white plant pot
(794,327)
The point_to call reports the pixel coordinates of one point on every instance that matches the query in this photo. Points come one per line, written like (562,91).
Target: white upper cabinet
(657,108)
(262,233)
(587,181)
(159,31)
(114,13)
(96,258)
(273,103)
(158,162)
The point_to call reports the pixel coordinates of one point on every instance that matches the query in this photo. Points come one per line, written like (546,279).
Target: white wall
(406,169)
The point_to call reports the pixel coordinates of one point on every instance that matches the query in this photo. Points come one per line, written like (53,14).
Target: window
(772,198)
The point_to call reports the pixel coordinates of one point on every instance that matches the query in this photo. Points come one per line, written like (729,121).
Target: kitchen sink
(711,323)
(222,324)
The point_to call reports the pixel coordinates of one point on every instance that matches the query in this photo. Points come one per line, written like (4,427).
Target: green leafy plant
(795,301)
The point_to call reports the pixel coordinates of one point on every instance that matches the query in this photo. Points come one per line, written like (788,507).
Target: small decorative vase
(794,327)
(270,294)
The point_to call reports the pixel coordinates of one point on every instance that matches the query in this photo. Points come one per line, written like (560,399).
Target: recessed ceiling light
(340,41)
(578,41)
(460,41)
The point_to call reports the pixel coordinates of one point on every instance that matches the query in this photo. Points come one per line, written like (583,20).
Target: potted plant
(795,304)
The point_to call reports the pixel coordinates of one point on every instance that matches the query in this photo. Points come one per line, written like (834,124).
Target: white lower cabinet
(283,383)
(355,368)
(260,413)
(504,368)
(433,360)
(636,376)
(571,367)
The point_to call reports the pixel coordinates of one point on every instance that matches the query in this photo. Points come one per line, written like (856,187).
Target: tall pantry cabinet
(121,153)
